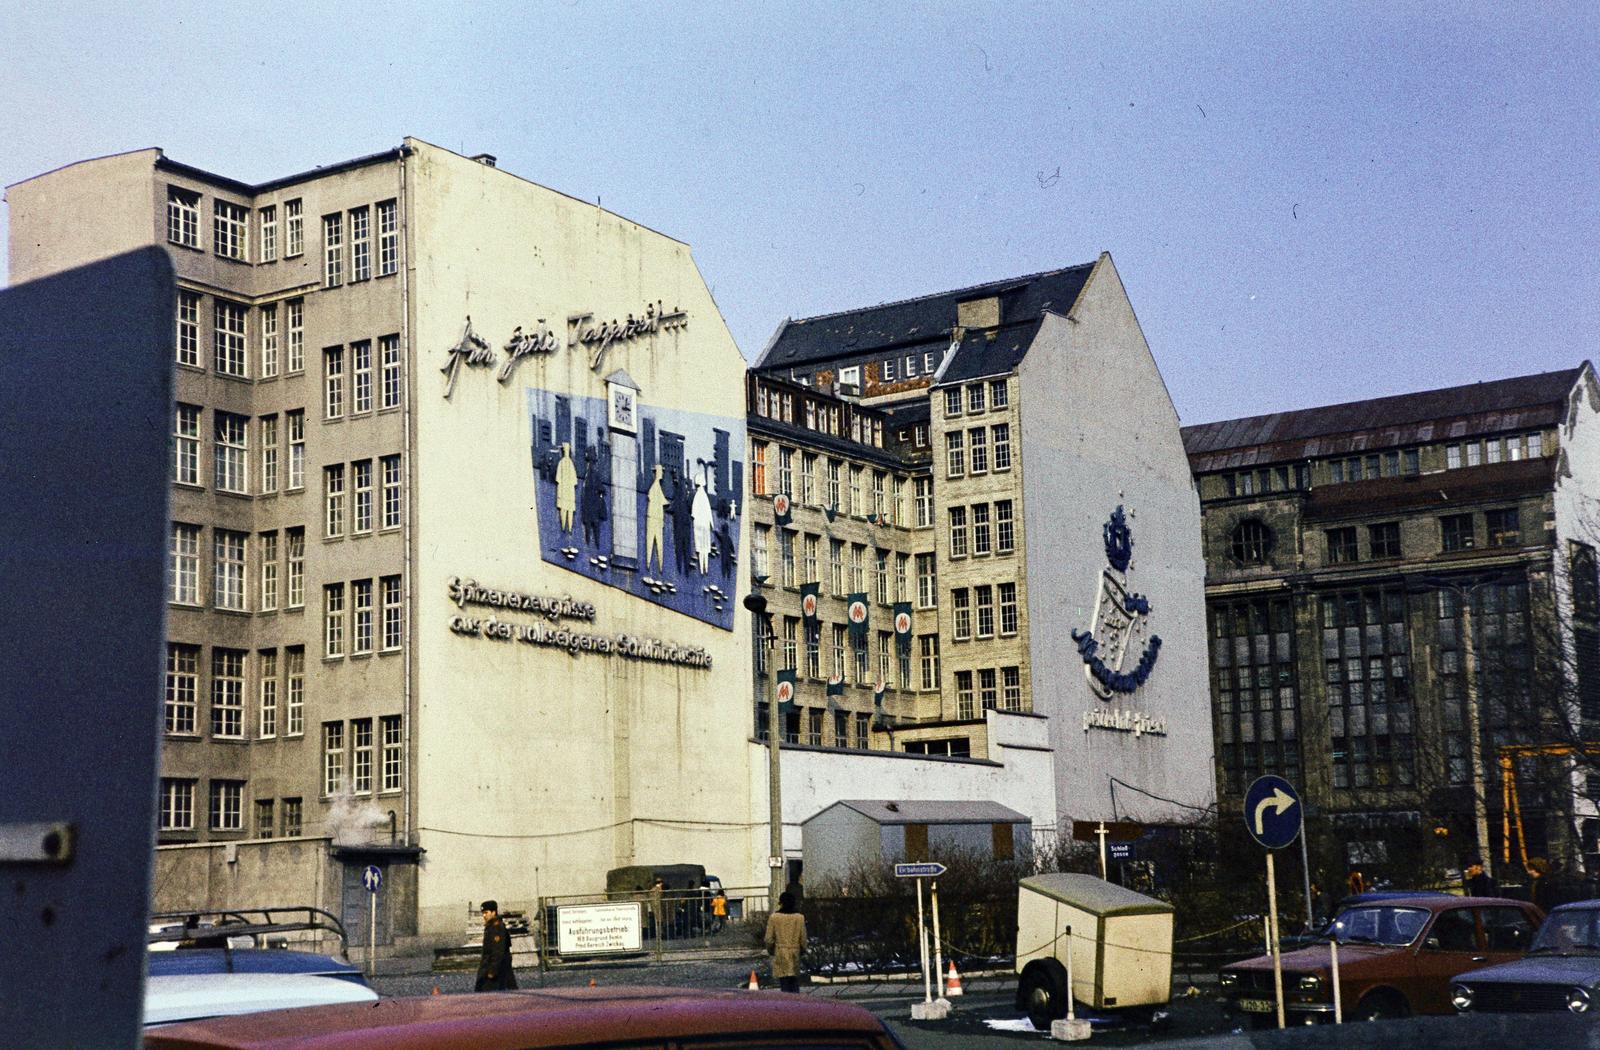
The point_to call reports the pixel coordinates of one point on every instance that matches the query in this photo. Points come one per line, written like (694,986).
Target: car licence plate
(1258,1006)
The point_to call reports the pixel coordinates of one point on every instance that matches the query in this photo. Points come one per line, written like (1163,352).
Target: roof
(1095,896)
(986,353)
(1457,411)
(922,811)
(925,321)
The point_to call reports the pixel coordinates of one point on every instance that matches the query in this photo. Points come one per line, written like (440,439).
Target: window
(1535,446)
(758,468)
(1251,542)
(964,708)
(333,489)
(928,647)
(880,577)
(296,420)
(858,567)
(227,799)
(988,695)
(952,401)
(961,614)
(983,600)
(1001,436)
(888,370)
(1503,527)
(808,478)
(999,395)
(880,505)
(294,668)
(361,607)
(332,757)
(177,804)
(1341,545)
(902,573)
(1391,464)
(361,482)
(858,505)
(980,528)
(227,351)
(333,382)
(228,578)
(361,756)
(1011,688)
(897,511)
(975,397)
(389,361)
(1008,608)
(269,342)
(812,544)
(294,228)
(863,730)
(1384,539)
(1492,450)
(835,486)
(269,233)
(291,817)
(263,818)
(388,242)
(927,581)
(1372,467)
(361,375)
(1413,464)
(919,435)
(269,454)
(333,620)
(1005,530)
(360,244)
(791,641)
(295,543)
(186,445)
(267,659)
(1474,454)
(955,458)
(836,566)
(183,575)
(269,571)
(188,329)
(922,489)
(1514,448)
(391,492)
(1452,457)
(391,595)
(393,754)
(760,542)
(884,639)
(183,688)
(232,453)
(227,693)
(1455,532)
(786,470)
(978,440)
(786,556)
(332,250)
(958,532)
(297,336)
(229,223)
(183,217)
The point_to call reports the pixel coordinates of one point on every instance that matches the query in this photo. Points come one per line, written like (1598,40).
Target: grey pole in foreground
(757,604)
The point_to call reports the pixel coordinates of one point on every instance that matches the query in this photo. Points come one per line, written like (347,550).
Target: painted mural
(640,498)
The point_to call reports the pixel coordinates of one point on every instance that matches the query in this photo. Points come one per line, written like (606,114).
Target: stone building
(1384,577)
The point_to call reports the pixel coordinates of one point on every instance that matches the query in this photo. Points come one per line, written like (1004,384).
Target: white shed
(853,832)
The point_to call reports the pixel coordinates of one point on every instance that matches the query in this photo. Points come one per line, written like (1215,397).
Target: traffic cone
(755,985)
(952,985)
(592,982)
(435,989)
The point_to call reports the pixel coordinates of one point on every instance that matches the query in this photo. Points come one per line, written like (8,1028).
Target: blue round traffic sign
(1272,811)
(372,878)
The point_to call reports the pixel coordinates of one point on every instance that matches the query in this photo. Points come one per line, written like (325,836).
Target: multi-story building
(1400,595)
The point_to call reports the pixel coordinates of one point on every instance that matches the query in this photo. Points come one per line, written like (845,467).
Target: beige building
(457,505)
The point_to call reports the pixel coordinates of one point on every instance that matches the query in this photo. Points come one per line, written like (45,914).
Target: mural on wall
(1121,621)
(641,498)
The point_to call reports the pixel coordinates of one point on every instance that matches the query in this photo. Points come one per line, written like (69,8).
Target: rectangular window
(923,494)
(391,596)
(332,250)
(388,241)
(858,567)
(177,804)
(897,510)
(227,796)
(332,758)
(269,454)
(952,401)
(1412,465)
(1492,450)
(1503,527)
(188,329)
(391,492)
(361,482)
(361,756)
(393,755)
(927,581)
(928,647)
(333,491)
(227,349)
(978,451)
(227,693)
(961,614)
(902,573)
(839,666)
(1011,688)
(813,649)
(294,228)
(269,342)
(975,397)
(1008,608)
(888,370)
(1391,464)
(232,453)
(1341,545)
(1513,448)
(999,396)
(360,244)
(758,468)
(229,570)
(361,608)
(786,556)
(264,823)
(183,217)
(786,471)
(835,483)
(1001,434)
(291,817)
(333,382)
(988,695)
(1452,457)
(791,642)
(269,571)
(183,689)
(857,504)
(1474,454)
(880,504)
(389,362)
(1385,539)
(1535,446)
(295,545)
(760,543)
(333,620)
(361,375)
(267,660)
(269,233)
(294,680)
(183,574)
(813,544)
(297,336)
(229,224)
(808,478)
(296,420)
(1455,532)
(955,455)
(964,708)
(1004,529)
(186,445)
(980,528)
(958,532)
(836,566)
(983,600)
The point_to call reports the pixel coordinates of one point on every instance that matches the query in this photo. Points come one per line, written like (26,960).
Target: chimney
(486,159)
(979,313)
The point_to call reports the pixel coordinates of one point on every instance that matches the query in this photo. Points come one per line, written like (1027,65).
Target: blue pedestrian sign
(918,871)
(372,878)
(1272,812)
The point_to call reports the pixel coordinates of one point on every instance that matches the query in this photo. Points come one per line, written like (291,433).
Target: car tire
(1381,1006)
(1042,992)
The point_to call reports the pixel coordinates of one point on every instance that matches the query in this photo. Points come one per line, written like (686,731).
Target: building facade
(1400,597)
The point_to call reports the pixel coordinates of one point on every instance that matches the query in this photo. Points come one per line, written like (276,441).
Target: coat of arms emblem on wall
(1121,621)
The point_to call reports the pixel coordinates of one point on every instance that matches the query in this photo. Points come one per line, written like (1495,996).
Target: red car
(630,1018)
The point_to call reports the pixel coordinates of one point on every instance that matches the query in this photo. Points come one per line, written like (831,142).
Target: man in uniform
(494,970)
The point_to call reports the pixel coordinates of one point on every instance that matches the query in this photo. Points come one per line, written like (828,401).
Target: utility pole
(757,604)
(1469,665)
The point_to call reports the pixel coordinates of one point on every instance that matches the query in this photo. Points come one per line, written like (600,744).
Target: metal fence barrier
(669,922)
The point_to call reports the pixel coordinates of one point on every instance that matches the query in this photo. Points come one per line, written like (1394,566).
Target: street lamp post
(757,604)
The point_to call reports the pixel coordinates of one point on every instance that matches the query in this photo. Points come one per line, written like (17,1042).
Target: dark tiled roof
(917,322)
(1458,411)
(990,353)
(1460,489)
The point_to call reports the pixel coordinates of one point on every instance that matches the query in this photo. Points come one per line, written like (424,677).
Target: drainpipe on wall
(408,532)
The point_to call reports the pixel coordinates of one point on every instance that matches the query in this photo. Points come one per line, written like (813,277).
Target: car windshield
(1569,932)
(1378,924)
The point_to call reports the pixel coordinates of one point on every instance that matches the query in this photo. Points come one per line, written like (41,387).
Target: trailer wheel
(1042,992)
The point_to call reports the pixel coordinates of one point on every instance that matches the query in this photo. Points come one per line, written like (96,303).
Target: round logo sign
(780,503)
(809,605)
(858,612)
(785,692)
(902,623)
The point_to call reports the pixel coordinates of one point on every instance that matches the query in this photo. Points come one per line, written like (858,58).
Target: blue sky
(1308,205)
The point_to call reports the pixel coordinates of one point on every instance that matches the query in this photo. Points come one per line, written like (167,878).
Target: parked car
(250,941)
(1319,933)
(191,996)
(1396,958)
(556,1017)
(1560,972)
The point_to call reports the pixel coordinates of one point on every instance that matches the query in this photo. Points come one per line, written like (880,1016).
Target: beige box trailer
(1121,945)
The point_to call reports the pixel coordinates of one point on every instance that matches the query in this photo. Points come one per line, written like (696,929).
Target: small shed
(1121,941)
(853,832)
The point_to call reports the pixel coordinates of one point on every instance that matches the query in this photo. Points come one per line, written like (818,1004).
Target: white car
(193,996)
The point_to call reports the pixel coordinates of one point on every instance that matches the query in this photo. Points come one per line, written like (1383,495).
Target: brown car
(630,1018)
(1396,958)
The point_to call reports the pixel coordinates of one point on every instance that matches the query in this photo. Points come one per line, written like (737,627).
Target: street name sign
(918,871)
(1272,812)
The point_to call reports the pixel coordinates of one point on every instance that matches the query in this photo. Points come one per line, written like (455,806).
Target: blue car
(1560,972)
(249,942)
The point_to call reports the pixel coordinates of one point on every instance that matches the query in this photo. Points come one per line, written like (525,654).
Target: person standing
(494,969)
(1477,882)
(785,940)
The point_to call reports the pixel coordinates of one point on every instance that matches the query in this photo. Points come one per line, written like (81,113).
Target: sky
(1308,204)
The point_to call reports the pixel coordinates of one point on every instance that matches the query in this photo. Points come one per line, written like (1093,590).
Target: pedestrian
(494,969)
(657,889)
(1476,882)
(785,940)
(719,910)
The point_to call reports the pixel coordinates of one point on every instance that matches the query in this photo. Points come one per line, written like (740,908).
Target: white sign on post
(600,929)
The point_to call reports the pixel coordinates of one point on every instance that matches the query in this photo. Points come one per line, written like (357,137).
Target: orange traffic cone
(755,985)
(952,985)
(592,982)
(435,989)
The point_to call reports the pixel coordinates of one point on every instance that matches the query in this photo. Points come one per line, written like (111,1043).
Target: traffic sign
(1272,812)
(1119,850)
(372,878)
(918,871)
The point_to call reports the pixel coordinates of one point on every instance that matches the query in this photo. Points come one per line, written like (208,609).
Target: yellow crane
(1511,811)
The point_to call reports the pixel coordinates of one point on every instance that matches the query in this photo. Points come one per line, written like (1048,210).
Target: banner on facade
(786,689)
(858,617)
(810,593)
(902,627)
(781,510)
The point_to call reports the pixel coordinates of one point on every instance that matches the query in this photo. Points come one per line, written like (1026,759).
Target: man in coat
(494,970)
(785,940)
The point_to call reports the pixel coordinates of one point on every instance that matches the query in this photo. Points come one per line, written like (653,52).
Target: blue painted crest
(1119,541)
